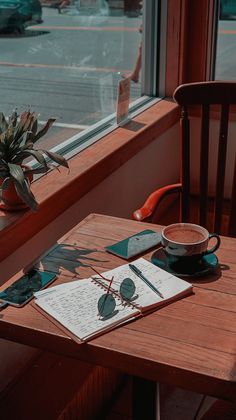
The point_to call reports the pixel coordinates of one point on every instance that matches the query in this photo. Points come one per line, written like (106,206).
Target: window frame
(151,46)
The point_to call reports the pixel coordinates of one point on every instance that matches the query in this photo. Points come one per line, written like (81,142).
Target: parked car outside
(16,15)
(130,8)
(228,9)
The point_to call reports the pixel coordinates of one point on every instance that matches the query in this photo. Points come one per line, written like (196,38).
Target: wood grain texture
(56,387)
(198,34)
(173,48)
(190,343)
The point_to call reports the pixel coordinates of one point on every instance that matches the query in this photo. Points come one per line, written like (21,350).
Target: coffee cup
(187,241)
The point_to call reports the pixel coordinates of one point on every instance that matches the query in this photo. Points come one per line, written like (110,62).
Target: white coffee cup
(187,240)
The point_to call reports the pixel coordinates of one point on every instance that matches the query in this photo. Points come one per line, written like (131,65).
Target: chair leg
(146,402)
(220,410)
(199,407)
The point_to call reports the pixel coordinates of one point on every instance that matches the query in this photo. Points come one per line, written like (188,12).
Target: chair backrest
(204,95)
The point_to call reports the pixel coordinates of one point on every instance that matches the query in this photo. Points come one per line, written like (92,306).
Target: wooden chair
(207,96)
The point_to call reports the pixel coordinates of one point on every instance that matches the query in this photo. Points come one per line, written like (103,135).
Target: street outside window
(225,65)
(64,59)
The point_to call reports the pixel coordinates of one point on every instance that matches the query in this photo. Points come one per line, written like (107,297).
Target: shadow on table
(211,276)
(66,257)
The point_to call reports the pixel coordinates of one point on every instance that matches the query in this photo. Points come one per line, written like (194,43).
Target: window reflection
(225,67)
(68,62)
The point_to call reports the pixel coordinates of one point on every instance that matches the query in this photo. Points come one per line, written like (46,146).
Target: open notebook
(75,305)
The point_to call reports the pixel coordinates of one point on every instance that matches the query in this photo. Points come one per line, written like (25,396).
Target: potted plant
(18,135)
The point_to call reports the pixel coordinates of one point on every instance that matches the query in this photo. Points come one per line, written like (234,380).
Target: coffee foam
(184,234)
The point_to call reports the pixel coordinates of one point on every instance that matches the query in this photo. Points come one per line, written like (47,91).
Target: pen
(141,276)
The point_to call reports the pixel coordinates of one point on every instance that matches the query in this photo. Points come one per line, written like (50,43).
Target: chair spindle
(204,161)
(185,165)
(220,178)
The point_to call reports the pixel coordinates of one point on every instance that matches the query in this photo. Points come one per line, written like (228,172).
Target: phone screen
(22,290)
(135,244)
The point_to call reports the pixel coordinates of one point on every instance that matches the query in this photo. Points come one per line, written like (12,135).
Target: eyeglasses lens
(127,288)
(106,305)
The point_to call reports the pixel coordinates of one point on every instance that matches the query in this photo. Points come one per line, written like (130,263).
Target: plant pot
(12,202)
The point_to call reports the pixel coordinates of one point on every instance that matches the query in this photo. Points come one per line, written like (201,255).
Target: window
(64,59)
(225,66)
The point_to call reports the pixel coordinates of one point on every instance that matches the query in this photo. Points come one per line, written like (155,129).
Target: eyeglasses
(107,302)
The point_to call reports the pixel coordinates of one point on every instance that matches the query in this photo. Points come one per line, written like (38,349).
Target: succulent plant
(18,135)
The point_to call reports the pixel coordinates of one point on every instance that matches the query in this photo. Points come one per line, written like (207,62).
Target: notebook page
(76,309)
(168,284)
(56,288)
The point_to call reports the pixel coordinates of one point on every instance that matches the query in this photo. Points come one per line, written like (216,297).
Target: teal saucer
(198,268)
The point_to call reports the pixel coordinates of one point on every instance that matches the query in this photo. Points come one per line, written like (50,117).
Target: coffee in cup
(182,240)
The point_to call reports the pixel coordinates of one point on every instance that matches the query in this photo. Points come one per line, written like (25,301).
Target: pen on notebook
(141,276)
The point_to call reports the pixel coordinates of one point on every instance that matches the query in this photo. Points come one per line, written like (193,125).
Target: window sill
(87,169)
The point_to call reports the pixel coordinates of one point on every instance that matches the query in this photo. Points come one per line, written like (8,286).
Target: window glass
(64,58)
(225,66)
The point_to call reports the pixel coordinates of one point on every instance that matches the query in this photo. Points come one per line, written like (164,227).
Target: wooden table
(190,343)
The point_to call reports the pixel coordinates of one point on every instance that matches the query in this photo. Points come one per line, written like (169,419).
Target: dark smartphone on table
(135,244)
(22,290)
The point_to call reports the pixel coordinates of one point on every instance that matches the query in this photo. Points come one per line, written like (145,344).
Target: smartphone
(135,244)
(22,290)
